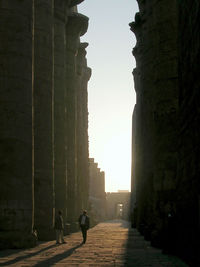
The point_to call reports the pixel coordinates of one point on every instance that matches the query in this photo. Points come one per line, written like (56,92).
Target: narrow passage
(111,243)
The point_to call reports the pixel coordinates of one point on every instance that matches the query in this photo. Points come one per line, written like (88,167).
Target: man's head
(60,212)
(84,212)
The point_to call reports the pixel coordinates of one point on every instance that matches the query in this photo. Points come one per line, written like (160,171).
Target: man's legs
(61,236)
(84,233)
(57,236)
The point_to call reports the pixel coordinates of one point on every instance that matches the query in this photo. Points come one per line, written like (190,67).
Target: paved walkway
(111,243)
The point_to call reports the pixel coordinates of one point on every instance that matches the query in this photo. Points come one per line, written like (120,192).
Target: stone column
(156,78)
(133,168)
(60,124)
(102,197)
(76,26)
(188,183)
(16,146)
(73,4)
(85,183)
(83,75)
(43,119)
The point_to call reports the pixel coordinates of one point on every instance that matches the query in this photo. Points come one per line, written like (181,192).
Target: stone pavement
(111,243)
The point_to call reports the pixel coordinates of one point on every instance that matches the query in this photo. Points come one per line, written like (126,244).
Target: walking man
(59,227)
(84,223)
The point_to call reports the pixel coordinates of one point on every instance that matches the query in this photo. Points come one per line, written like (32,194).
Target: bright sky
(111,88)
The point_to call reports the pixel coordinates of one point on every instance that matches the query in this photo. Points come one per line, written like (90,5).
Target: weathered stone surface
(75,2)
(16,62)
(165,171)
(41,64)
(43,121)
(60,120)
(77,76)
(83,74)
(188,185)
(71,104)
(97,195)
(77,24)
(155,118)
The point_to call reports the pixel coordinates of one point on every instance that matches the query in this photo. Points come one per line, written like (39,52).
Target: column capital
(77,24)
(75,2)
(88,73)
(82,47)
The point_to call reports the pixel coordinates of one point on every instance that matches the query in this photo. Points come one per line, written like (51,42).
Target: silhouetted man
(84,223)
(59,227)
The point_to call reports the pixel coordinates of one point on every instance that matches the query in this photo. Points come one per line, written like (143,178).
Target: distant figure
(84,223)
(59,227)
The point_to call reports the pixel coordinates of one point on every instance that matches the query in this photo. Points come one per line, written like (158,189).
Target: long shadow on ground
(57,258)
(20,258)
(8,252)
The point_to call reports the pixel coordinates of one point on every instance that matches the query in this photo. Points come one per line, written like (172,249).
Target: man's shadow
(20,258)
(58,257)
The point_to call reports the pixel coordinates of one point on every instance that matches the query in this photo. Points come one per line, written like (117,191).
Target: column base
(67,229)
(19,239)
(46,234)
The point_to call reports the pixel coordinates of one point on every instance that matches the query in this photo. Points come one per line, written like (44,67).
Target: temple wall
(97,195)
(16,66)
(41,114)
(165,183)
(156,85)
(188,189)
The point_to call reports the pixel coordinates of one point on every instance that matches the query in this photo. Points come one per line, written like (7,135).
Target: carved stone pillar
(43,119)
(156,83)
(188,172)
(60,124)
(73,3)
(16,147)
(133,167)
(76,26)
(83,76)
